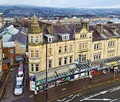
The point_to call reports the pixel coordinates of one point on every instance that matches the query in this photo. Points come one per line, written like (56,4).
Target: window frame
(36,67)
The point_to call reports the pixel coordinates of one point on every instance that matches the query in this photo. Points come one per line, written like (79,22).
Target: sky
(67,3)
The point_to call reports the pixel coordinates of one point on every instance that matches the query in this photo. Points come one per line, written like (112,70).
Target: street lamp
(35,92)
(46,75)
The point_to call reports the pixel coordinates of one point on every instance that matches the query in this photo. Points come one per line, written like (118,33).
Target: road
(107,95)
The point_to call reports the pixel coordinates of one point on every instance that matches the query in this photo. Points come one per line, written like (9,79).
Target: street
(108,95)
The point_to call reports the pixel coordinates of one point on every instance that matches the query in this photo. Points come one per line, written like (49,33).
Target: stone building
(1,20)
(58,52)
(18,36)
(1,59)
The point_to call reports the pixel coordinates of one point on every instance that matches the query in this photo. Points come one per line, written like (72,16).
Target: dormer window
(49,37)
(65,36)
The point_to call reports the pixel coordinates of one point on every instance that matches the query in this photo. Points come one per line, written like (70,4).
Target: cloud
(3,2)
(67,3)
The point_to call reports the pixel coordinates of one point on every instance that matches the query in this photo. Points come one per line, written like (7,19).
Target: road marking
(11,69)
(104,99)
(114,100)
(70,95)
(114,89)
(71,99)
(64,99)
(102,92)
(58,100)
(63,89)
(31,96)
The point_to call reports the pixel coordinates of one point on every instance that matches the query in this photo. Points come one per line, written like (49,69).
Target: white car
(19,76)
(18,90)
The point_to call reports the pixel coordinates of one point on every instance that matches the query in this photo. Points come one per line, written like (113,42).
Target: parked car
(18,90)
(20,70)
(19,76)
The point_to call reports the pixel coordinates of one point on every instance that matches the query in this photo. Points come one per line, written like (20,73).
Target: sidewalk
(77,86)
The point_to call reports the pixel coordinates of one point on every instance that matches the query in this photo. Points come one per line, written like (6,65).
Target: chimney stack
(99,28)
(113,28)
(85,24)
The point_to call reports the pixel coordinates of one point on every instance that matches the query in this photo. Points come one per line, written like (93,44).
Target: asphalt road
(108,95)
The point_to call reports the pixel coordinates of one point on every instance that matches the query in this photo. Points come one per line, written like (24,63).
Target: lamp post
(35,92)
(46,75)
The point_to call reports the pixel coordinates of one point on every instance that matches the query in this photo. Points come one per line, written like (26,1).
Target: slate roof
(8,44)
(21,36)
(107,32)
(65,29)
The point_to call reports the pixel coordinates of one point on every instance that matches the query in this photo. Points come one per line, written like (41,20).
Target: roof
(21,36)
(106,33)
(6,37)
(34,28)
(8,44)
(10,30)
(65,29)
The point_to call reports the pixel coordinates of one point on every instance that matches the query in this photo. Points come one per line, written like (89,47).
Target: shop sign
(111,63)
(33,85)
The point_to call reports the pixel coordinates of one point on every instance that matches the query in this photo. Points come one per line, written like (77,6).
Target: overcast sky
(67,3)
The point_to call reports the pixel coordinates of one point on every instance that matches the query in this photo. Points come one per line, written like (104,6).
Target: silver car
(18,90)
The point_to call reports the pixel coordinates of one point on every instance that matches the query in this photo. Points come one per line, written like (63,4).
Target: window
(70,48)
(70,59)
(97,46)
(83,46)
(50,63)
(36,54)
(11,50)
(97,56)
(50,39)
(31,39)
(60,50)
(83,36)
(82,58)
(32,54)
(111,53)
(65,48)
(65,60)
(60,61)
(111,43)
(37,67)
(32,67)
(36,39)
(65,37)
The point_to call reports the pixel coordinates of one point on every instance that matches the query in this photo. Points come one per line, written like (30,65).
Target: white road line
(102,92)
(114,100)
(31,96)
(104,99)
(63,99)
(71,99)
(58,100)
(70,95)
